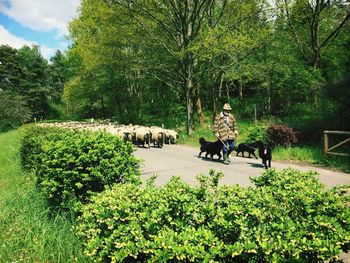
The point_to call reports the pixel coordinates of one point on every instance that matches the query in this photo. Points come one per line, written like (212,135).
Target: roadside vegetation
(29,230)
(175,63)
(82,208)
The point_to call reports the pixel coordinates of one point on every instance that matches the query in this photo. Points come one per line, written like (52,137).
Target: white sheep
(174,136)
(157,136)
(142,135)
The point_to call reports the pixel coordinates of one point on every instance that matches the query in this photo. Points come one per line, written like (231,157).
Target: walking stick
(224,144)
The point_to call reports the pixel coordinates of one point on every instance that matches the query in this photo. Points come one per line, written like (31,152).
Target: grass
(312,155)
(28,232)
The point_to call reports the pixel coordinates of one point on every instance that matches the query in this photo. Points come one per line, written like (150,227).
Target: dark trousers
(230,145)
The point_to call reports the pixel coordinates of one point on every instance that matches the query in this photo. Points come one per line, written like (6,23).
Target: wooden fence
(328,149)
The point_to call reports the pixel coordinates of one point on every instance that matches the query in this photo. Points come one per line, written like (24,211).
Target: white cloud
(41,15)
(6,38)
(47,52)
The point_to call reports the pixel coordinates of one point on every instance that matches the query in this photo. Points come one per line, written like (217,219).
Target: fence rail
(328,149)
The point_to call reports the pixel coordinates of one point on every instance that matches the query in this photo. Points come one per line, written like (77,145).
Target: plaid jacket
(227,131)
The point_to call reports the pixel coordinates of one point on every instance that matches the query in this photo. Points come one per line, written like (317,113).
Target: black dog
(212,148)
(247,147)
(265,154)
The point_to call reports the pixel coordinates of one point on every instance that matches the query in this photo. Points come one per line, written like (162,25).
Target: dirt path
(183,161)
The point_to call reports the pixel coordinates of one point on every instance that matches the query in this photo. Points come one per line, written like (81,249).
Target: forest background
(177,62)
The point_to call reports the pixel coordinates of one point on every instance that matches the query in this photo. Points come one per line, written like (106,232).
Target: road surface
(183,161)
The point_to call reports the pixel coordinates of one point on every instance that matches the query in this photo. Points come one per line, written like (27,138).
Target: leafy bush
(158,224)
(308,222)
(14,111)
(70,165)
(257,132)
(289,216)
(32,140)
(281,135)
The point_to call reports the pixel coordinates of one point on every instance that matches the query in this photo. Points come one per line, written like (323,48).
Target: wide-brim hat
(227,107)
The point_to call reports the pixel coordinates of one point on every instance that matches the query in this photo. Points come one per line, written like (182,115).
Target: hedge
(288,217)
(69,165)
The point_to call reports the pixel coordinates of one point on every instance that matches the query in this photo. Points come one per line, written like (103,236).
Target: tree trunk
(221,82)
(213,92)
(227,91)
(190,115)
(269,99)
(188,79)
(240,91)
(103,108)
(200,111)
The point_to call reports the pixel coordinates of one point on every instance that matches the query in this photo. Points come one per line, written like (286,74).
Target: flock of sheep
(139,135)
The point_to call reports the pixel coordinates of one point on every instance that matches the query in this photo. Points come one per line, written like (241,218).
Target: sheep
(173,136)
(139,135)
(166,136)
(142,135)
(125,134)
(157,136)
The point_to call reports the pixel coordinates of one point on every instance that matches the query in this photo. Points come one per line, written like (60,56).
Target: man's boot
(228,155)
(226,160)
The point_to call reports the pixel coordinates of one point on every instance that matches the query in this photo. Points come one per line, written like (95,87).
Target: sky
(37,22)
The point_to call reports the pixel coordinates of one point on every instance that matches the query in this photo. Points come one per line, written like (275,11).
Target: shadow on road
(209,160)
(256,165)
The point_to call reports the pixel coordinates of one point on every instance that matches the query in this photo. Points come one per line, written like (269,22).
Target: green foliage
(11,70)
(25,74)
(312,155)
(69,165)
(257,132)
(289,216)
(14,111)
(29,232)
(128,62)
(32,140)
(57,76)
(305,223)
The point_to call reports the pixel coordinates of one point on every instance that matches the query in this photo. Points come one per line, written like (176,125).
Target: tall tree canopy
(136,59)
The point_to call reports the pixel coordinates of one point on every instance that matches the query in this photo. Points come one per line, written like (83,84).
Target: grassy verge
(306,154)
(27,232)
(312,155)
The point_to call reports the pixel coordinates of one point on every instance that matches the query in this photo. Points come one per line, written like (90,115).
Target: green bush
(14,111)
(306,221)
(70,165)
(289,216)
(129,223)
(32,140)
(257,132)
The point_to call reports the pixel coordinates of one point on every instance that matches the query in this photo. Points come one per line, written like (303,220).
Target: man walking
(226,131)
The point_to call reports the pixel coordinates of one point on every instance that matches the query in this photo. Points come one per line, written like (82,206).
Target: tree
(14,110)
(11,70)
(176,25)
(314,24)
(57,76)
(35,81)
(324,19)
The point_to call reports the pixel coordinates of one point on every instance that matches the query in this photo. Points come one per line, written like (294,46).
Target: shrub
(257,132)
(14,111)
(281,135)
(298,218)
(32,140)
(289,216)
(70,165)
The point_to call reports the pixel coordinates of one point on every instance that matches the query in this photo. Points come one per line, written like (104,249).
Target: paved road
(183,161)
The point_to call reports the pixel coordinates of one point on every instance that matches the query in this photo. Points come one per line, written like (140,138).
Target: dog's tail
(201,140)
